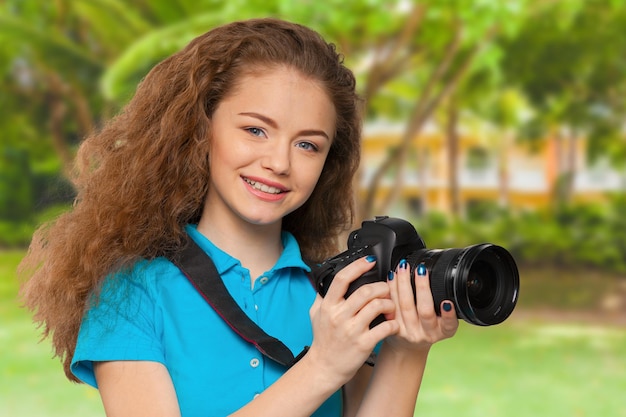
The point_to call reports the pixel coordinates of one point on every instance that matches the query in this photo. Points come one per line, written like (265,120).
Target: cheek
(226,156)
(314,175)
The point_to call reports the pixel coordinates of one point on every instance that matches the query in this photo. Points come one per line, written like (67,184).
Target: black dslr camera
(482,280)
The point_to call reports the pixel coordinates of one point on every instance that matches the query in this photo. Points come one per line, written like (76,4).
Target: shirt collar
(289,258)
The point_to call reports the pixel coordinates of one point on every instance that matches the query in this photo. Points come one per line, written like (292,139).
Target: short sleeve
(119,325)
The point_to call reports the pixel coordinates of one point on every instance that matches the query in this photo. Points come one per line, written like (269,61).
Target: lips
(257,185)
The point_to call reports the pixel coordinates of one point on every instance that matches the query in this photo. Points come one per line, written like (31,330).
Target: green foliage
(562,57)
(18,233)
(572,236)
(118,83)
(52,48)
(569,62)
(15,234)
(16,191)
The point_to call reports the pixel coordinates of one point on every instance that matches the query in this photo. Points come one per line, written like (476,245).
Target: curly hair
(145,174)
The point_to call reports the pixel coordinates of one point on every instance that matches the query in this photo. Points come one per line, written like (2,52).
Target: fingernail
(403,263)
(421,270)
(390,275)
(370,258)
(447,306)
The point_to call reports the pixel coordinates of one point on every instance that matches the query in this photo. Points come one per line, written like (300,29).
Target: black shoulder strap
(198,267)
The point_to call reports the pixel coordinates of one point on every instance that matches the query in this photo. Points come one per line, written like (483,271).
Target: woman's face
(270,139)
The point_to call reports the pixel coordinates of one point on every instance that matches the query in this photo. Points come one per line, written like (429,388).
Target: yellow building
(489,168)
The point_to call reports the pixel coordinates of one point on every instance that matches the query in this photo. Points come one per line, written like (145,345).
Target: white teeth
(263,187)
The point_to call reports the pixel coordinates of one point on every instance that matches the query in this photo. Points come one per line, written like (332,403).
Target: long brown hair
(145,174)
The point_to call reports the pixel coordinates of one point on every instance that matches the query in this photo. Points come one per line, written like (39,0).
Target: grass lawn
(523,367)
(527,368)
(31,382)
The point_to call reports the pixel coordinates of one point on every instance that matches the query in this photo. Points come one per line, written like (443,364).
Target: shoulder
(145,272)
(135,294)
(153,270)
(144,277)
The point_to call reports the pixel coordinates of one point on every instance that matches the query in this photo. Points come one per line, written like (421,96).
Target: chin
(263,221)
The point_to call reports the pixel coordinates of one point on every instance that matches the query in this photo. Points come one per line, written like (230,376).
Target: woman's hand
(420,327)
(342,339)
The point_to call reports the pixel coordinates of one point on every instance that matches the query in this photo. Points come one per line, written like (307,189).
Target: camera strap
(200,270)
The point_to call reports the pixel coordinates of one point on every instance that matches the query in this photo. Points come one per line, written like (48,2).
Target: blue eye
(255,131)
(307,146)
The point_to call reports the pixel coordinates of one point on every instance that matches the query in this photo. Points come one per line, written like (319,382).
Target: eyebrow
(272,123)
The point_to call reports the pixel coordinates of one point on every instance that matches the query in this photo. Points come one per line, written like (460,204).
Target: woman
(246,141)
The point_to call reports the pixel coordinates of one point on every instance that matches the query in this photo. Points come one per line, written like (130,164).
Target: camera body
(385,237)
(482,280)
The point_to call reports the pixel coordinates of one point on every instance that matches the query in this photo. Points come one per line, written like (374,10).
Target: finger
(372,310)
(392,282)
(383,330)
(406,301)
(449,320)
(365,294)
(424,298)
(342,280)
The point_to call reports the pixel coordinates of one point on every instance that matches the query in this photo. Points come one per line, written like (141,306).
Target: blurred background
(485,121)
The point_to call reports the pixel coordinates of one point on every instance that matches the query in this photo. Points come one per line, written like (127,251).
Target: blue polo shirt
(153,313)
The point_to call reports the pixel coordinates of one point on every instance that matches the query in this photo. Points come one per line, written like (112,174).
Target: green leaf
(119,81)
(52,47)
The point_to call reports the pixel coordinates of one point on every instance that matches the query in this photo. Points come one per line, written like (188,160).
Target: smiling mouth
(263,187)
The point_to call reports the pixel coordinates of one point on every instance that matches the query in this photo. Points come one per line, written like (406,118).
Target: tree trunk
(422,111)
(503,170)
(453,152)
(572,155)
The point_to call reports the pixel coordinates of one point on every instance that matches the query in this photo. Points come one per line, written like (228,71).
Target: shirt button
(263,280)
(254,362)
(256,307)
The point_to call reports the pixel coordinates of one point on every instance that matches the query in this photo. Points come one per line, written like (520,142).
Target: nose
(278,159)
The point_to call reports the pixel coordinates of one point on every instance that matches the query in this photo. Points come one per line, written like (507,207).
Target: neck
(257,247)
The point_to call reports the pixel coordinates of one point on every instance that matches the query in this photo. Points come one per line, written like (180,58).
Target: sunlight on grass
(527,368)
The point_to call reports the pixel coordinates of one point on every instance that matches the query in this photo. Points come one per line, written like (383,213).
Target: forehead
(285,94)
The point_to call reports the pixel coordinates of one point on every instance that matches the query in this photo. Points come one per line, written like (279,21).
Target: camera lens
(481,284)
(482,280)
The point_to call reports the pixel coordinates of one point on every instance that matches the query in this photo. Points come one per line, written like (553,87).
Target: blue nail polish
(447,306)
(421,270)
(390,275)
(370,258)
(403,264)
